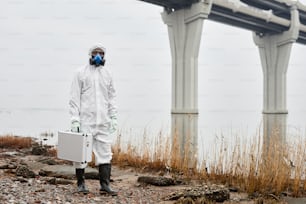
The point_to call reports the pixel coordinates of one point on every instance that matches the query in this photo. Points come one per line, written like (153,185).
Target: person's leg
(104,174)
(79,173)
(103,156)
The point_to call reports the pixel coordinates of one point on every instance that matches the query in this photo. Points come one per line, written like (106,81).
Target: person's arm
(112,106)
(75,102)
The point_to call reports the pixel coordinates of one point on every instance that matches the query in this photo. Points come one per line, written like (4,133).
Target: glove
(113,125)
(75,126)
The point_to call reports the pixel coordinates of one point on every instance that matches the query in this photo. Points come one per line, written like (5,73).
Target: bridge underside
(238,19)
(172,4)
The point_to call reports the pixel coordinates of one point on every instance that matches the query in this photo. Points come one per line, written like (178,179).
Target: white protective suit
(92,103)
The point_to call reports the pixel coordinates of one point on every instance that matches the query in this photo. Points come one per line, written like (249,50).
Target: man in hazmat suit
(93,110)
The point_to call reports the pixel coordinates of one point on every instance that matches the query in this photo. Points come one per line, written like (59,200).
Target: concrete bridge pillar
(274,54)
(185,30)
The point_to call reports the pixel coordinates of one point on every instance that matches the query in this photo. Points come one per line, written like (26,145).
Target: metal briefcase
(75,147)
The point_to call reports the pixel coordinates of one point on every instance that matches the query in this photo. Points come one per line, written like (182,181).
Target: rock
(40,190)
(42,173)
(25,172)
(10,171)
(48,161)
(39,150)
(92,175)
(66,172)
(156,181)
(215,193)
(21,180)
(233,189)
(9,154)
(56,181)
(4,166)
(12,166)
(8,164)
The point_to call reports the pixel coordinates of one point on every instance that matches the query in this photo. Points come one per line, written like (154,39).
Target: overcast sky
(42,42)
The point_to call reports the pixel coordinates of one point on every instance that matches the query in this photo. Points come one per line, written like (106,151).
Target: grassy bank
(9,141)
(253,166)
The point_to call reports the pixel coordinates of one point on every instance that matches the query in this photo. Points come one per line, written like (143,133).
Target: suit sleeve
(75,98)
(112,106)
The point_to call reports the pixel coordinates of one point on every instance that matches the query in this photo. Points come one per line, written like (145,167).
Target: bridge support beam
(275,53)
(185,30)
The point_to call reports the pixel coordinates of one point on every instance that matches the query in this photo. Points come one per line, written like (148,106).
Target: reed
(145,156)
(263,165)
(253,166)
(14,142)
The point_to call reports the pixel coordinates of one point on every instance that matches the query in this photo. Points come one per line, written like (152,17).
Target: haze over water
(42,43)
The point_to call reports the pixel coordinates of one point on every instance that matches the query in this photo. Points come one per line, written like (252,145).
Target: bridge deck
(279,7)
(172,4)
(225,14)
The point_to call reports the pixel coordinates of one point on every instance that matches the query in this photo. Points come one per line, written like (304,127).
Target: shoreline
(61,188)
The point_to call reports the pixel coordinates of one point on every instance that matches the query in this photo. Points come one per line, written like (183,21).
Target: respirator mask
(97,59)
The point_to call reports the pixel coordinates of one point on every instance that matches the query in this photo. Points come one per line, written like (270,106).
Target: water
(40,51)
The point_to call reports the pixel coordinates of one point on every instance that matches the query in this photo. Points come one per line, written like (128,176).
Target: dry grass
(145,157)
(15,142)
(52,152)
(262,167)
(253,166)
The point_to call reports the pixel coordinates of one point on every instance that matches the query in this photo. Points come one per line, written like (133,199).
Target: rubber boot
(104,175)
(81,181)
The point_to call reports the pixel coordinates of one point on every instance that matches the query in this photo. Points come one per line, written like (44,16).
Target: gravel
(37,190)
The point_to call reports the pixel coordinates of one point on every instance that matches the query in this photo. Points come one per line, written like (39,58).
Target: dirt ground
(39,189)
